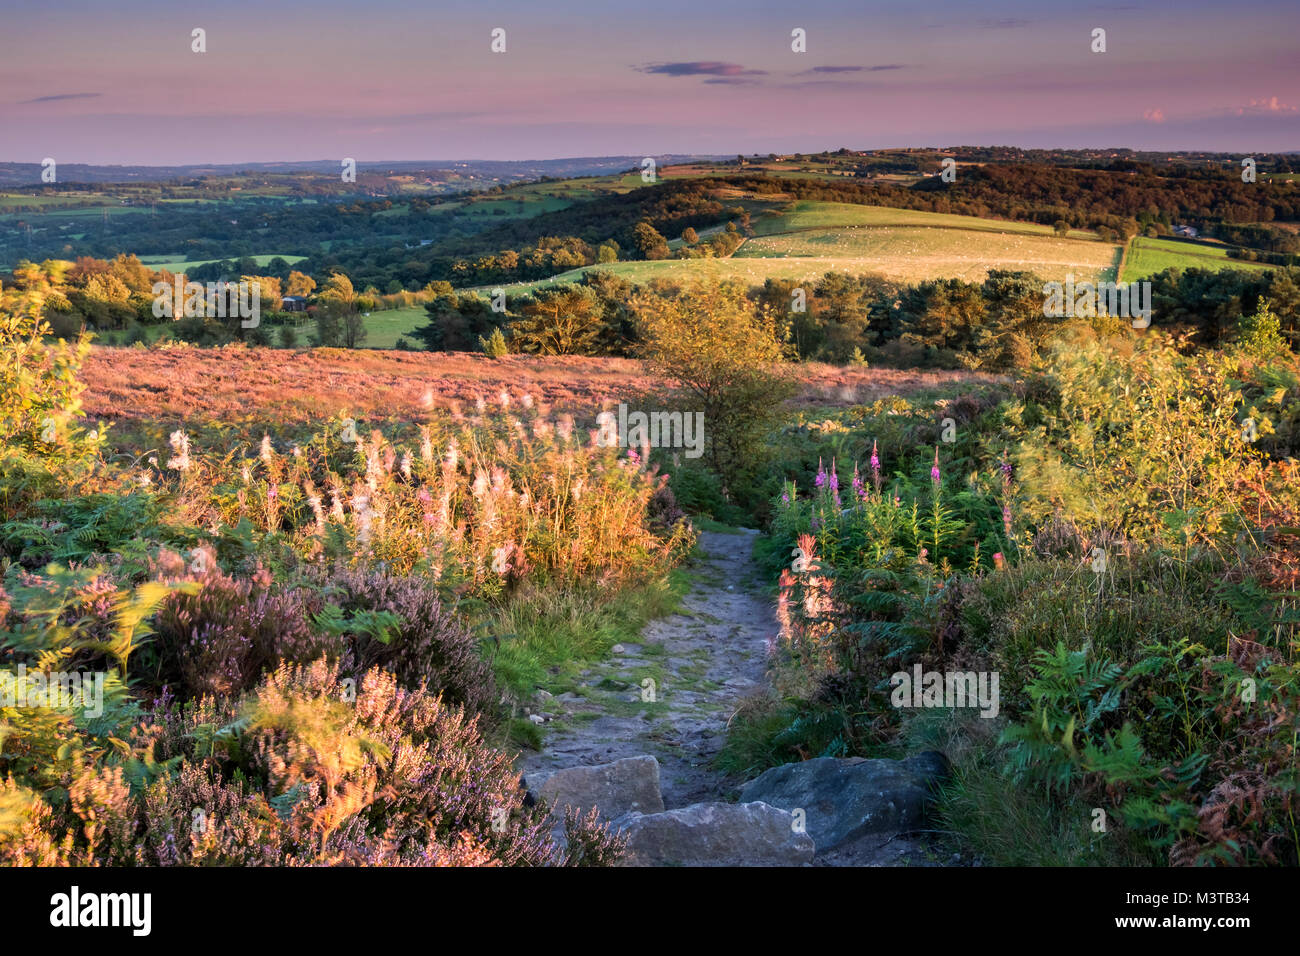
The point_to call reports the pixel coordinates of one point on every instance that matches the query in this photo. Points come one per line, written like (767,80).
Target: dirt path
(701,661)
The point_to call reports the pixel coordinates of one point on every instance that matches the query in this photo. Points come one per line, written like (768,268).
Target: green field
(749,271)
(1146,257)
(519,202)
(384,328)
(917,253)
(901,256)
(812,238)
(11,200)
(808,214)
(172,264)
(53,214)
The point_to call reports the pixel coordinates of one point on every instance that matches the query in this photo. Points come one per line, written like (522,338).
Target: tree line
(996,324)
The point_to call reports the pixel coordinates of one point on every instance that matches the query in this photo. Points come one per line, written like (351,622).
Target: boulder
(715,834)
(624,786)
(843,799)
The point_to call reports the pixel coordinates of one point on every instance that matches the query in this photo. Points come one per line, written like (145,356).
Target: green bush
(44,443)
(494,346)
(727,364)
(1260,334)
(1142,446)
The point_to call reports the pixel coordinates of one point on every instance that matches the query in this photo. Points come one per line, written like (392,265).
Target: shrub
(221,639)
(1260,334)
(301,771)
(82,528)
(558,320)
(1142,445)
(40,402)
(663,513)
(726,362)
(494,346)
(423,644)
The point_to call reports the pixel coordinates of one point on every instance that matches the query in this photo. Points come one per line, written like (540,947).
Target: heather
(303,770)
(297,637)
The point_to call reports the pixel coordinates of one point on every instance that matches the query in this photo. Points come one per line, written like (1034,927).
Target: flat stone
(625,786)
(715,834)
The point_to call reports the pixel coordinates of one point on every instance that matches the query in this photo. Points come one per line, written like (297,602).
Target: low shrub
(303,770)
(399,623)
(221,639)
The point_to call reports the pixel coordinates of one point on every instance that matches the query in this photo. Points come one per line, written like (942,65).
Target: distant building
(1187,231)
(294,303)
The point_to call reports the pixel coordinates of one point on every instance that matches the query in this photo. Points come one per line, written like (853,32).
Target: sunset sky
(85,81)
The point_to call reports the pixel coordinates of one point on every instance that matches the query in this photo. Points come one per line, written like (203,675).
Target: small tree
(299,284)
(559,320)
(727,362)
(353,327)
(649,242)
(1260,334)
(268,291)
(456,322)
(328,330)
(690,236)
(338,288)
(338,322)
(494,346)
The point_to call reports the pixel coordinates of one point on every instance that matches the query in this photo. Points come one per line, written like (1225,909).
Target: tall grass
(478,503)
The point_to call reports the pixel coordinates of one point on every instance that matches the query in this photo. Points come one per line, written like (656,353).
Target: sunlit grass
(542,638)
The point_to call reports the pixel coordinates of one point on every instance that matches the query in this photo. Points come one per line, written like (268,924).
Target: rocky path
(671,694)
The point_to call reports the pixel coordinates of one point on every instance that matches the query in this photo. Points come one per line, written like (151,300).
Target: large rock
(843,799)
(715,834)
(625,786)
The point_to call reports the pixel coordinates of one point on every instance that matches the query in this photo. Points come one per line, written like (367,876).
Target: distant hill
(490,171)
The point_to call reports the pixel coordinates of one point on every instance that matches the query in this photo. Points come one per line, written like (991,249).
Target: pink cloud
(1265,105)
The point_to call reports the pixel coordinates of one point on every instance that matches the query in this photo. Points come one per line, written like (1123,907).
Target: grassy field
(1146,257)
(916,253)
(384,328)
(905,255)
(172,264)
(750,271)
(811,238)
(808,214)
(58,213)
(10,200)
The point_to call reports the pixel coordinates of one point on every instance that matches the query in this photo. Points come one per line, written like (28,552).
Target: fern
(1071,695)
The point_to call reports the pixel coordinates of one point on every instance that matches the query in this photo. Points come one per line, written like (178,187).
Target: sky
(86,81)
